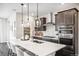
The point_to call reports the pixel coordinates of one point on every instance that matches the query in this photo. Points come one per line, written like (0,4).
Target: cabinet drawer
(66,41)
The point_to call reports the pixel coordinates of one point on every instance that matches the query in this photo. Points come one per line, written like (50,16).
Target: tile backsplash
(50,31)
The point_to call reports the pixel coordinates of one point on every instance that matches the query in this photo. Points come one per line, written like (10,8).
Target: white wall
(4,37)
(32,25)
(18,26)
(12,19)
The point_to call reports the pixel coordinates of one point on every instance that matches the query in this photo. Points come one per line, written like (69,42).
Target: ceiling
(43,8)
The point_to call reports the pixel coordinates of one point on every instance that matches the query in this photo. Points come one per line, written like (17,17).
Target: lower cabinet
(41,28)
(67,51)
(51,40)
(66,41)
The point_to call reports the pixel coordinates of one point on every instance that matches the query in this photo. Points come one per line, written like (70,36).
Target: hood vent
(51,20)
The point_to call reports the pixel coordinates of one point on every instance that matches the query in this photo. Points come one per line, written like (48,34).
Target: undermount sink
(36,41)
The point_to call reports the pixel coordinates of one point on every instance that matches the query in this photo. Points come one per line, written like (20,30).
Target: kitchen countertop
(42,49)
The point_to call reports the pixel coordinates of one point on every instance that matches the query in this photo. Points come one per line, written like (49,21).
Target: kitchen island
(41,49)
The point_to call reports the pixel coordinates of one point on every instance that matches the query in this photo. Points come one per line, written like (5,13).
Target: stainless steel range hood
(51,20)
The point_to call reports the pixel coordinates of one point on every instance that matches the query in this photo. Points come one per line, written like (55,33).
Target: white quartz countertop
(42,49)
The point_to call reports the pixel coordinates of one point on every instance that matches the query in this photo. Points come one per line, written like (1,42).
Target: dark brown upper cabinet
(69,17)
(60,19)
(66,17)
(43,20)
(42,26)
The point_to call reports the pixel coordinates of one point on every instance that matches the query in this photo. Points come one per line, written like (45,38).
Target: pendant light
(37,20)
(22,5)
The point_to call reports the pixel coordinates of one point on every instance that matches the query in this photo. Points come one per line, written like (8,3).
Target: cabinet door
(43,21)
(68,17)
(60,19)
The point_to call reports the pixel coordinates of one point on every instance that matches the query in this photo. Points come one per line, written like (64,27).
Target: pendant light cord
(37,10)
(22,12)
(28,11)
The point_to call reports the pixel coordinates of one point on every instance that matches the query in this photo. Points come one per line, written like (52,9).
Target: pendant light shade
(37,19)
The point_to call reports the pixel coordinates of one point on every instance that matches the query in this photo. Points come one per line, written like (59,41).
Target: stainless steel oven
(65,31)
(65,34)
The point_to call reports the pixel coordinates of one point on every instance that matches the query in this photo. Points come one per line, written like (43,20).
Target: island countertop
(42,49)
